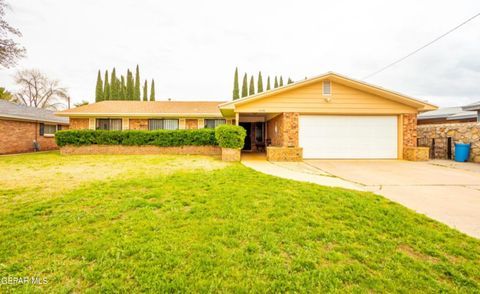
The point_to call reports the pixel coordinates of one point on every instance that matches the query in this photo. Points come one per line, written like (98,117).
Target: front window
(162,124)
(212,123)
(47,130)
(109,124)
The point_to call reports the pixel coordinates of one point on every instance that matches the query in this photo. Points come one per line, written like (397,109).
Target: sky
(191,48)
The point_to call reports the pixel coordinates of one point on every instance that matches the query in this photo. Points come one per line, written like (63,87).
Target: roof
(395,96)
(448,113)
(146,109)
(472,107)
(22,112)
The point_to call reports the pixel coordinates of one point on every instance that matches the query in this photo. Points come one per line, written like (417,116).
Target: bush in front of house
(162,138)
(229,136)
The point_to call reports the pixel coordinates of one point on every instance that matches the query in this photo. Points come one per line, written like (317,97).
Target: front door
(248,140)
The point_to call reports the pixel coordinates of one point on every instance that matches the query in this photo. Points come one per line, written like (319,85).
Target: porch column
(237,118)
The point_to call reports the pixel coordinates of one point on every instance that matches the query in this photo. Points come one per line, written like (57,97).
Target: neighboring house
(448,115)
(442,128)
(328,116)
(21,125)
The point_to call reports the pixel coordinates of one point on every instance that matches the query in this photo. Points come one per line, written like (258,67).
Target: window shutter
(42,129)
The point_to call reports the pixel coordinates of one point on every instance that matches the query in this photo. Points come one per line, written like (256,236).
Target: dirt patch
(406,249)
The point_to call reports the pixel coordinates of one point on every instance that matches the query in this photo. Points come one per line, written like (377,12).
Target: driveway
(446,191)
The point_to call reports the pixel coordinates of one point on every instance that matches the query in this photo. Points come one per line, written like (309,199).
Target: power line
(424,46)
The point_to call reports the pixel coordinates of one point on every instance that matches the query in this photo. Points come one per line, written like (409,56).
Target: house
(328,116)
(21,126)
(448,115)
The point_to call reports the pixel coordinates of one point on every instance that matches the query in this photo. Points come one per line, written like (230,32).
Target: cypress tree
(275,84)
(251,90)
(145,89)
(99,88)
(281,82)
(137,83)
(244,86)
(106,88)
(236,90)
(268,83)
(113,86)
(130,91)
(290,81)
(122,93)
(152,91)
(260,83)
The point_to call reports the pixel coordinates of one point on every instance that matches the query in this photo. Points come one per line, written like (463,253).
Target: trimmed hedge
(229,136)
(163,138)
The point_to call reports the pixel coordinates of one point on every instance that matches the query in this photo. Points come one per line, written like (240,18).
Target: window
(162,124)
(327,87)
(47,130)
(109,124)
(212,123)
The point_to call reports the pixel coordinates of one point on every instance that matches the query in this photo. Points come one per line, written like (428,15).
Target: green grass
(177,224)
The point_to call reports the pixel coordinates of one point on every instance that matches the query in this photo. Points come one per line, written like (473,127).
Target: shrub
(229,136)
(164,138)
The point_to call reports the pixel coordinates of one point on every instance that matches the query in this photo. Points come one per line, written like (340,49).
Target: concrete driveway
(446,191)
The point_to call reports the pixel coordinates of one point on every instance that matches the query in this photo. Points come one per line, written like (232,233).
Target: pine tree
(259,83)
(290,81)
(245,86)
(113,86)
(99,88)
(275,84)
(281,82)
(145,89)
(137,83)
(106,88)
(236,90)
(122,93)
(251,90)
(152,91)
(130,91)
(268,83)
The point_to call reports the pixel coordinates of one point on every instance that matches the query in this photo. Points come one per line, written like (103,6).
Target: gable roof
(363,86)
(9,110)
(146,109)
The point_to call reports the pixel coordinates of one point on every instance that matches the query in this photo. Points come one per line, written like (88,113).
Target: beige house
(328,116)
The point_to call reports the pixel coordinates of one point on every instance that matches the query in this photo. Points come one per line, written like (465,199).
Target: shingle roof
(447,113)
(474,106)
(23,112)
(147,108)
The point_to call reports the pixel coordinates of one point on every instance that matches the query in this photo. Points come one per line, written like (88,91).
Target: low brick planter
(284,153)
(416,153)
(145,149)
(229,154)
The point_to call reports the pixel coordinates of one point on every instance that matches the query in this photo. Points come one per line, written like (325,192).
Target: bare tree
(10,51)
(37,90)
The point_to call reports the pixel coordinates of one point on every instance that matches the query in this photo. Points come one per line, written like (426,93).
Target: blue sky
(191,48)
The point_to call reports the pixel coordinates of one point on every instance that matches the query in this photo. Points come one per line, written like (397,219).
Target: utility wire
(424,46)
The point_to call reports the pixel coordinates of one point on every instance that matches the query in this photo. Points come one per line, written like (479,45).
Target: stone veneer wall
(459,132)
(409,130)
(286,134)
(78,123)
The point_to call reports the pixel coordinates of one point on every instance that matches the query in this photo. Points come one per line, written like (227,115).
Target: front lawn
(187,223)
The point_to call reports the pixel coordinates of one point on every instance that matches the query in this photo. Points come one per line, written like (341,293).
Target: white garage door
(343,137)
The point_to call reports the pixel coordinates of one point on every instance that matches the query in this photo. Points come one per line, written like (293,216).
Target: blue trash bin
(462,152)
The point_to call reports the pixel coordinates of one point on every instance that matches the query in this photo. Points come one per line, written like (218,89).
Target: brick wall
(18,136)
(409,130)
(138,124)
(191,123)
(78,123)
(283,130)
